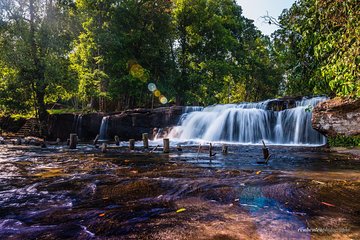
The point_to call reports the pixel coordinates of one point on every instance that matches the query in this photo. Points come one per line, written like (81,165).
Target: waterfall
(104,128)
(187,110)
(249,123)
(78,125)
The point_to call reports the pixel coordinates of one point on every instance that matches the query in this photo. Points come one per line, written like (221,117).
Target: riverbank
(354,151)
(303,193)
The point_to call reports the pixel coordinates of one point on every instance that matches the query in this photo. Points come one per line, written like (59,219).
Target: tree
(143,35)
(318,46)
(90,49)
(34,40)
(219,51)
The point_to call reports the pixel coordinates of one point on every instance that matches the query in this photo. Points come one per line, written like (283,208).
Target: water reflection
(59,193)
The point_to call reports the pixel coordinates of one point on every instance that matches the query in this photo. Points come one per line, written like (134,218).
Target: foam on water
(250,123)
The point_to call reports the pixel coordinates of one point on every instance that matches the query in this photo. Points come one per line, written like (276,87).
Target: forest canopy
(112,55)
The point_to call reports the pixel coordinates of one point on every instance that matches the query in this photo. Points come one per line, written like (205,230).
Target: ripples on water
(82,194)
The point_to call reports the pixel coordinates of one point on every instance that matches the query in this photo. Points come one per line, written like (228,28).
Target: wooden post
(73,141)
(103,148)
(197,155)
(131,144)
(265,151)
(117,140)
(145,138)
(154,149)
(224,149)
(166,145)
(211,154)
(96,139)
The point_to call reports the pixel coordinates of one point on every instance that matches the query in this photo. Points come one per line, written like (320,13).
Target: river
(58,193)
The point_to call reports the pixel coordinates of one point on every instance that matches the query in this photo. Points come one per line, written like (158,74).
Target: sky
(254,9)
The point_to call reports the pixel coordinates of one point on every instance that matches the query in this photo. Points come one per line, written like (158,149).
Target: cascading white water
(78,125)
(250,123)
(103,132)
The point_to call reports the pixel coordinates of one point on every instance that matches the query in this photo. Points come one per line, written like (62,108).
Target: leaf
(181,210)
(328,204)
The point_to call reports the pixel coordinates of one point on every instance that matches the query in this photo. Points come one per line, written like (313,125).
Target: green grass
(63,110)
(344,141)
(70,110)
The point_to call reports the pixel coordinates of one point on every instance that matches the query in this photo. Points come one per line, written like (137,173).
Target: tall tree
(34,40)
(141,52)
(221,54)
(90,48)
(318,46)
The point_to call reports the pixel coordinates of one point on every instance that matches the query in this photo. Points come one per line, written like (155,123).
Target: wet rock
(131,190)
(61,125)
(281,104)
(127,124)
(336,117)
(132,124)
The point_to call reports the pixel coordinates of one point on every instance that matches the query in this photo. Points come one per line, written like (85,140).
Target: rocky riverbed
(57,193)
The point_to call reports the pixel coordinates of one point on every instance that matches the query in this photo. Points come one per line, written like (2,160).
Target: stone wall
(128,124)
(131,124)
(61,125)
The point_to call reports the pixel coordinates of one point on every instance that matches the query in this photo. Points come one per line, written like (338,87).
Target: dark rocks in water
(281,104)
(337,117)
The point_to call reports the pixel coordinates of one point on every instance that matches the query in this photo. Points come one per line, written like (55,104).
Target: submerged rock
(337,117)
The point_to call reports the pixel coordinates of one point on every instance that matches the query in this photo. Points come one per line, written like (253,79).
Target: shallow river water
(57,193)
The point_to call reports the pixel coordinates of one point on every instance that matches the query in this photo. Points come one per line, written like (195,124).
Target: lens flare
(151,87)
(137,71)
(157,93)
(163,99)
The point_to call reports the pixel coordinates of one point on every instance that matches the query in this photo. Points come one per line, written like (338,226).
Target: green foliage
(219,51)
(318,47)
(344,141)
(34,38)
(102,54)
(64,110)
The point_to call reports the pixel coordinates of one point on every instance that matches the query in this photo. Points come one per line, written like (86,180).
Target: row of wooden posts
(166,143)
(73,140)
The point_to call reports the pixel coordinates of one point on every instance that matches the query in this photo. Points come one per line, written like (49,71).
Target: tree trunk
(38,75)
